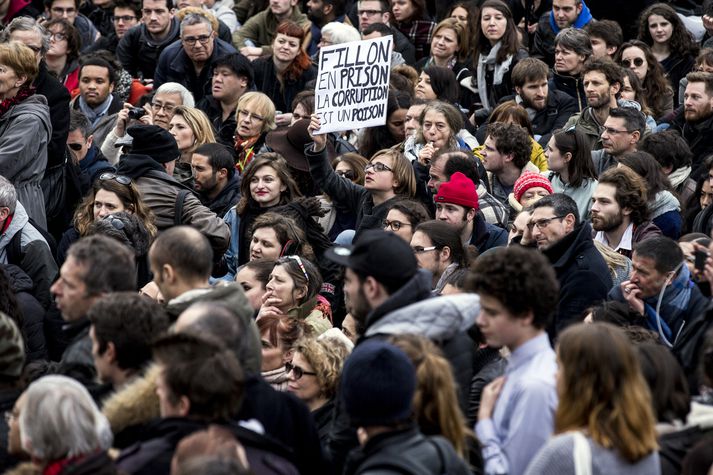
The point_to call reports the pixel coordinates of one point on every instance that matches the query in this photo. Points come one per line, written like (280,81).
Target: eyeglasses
(369,12)
(250,115)
(377,166)
(348,174)
(299,262)
(394,225)
(58,36)
(638,62)
(62,11)
(124,180)
(542,223)
(124,18)
(610,131)
(167,108)
(421,249)
(191,40)
(298,372)
(75,146)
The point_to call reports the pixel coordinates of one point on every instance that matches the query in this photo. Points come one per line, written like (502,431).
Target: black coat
(8,397)
(699,137)
(226,199)
(33,314)
(559,108)
(224,130)
(58,101)
(139,53)
(583,276)
(570,85)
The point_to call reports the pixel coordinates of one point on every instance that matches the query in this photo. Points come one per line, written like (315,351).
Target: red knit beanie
(460,191)
(530,180)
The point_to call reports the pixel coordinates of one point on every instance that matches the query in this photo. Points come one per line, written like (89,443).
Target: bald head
(186,250)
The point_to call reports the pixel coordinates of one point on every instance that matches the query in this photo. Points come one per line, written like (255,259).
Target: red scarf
(245,149)
(56,467)
(22,94)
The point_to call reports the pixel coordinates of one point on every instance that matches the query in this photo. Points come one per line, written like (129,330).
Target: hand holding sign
(320,141)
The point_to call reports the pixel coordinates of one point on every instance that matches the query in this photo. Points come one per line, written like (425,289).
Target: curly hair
(630,191)
(302,62)
(413,210)
(611,71)
(279,165)
(510,41)
(517,271)
(655,84)
(511,139)
(130,197)
(435,402)
(680,43)
(326,357)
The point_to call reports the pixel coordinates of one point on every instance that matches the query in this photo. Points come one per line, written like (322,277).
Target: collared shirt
(625,245)
(523,419)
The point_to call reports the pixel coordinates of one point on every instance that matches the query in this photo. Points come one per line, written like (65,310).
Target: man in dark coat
(214,177)
(582,273)
(695,122)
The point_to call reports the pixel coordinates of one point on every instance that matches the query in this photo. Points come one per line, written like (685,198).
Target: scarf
(675,301)
(489,61)
(23,93)
(245,150)
(430,62)
(277,378)
(94,114)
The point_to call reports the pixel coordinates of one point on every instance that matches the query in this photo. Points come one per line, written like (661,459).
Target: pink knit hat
(530,180)
(460,190)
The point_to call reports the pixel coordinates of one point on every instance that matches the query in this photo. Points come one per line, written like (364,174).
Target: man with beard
(602,80)
(548,110)
(620,135)
(321,12)
(214,177)
(620,210)
(567,242)
(697,128)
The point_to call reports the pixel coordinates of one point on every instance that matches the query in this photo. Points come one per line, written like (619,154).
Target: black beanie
(153,141)
(377,386)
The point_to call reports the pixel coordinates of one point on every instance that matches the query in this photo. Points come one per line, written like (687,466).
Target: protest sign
(353,84)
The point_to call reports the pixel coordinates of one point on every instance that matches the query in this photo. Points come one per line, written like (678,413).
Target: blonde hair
(21,59)
(264,105)
(603,391)
(613,259)
(326,357)
(402,169)
(435,402)
(200,126)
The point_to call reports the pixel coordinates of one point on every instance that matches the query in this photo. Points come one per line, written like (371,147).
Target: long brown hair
(276,162)
(655,83)
(602,390)
(510,42)
(130,197)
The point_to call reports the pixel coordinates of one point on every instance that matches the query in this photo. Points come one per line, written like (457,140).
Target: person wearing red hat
(457,204)
(529,188)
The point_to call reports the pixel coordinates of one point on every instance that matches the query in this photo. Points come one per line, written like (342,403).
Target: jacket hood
(19,220)
(36,104)
(585,16)
(134,404)
(414,290)
(438,318)
(19,280)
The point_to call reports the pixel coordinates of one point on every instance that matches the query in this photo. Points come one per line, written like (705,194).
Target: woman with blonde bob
(191,128)
(604,407)
(255,117)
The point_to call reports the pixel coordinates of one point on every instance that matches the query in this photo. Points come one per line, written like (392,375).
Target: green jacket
(261,30)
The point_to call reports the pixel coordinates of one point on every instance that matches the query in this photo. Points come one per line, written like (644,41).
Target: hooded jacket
(582,273)
(547,29)
(37,260)
(138,52)
(25,131)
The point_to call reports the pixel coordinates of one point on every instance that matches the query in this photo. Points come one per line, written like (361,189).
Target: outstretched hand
(320,140)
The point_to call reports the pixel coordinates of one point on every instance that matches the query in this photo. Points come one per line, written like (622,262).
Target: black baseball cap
(380,254)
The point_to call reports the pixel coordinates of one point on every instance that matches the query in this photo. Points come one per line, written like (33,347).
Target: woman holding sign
(388,175)
(285,73)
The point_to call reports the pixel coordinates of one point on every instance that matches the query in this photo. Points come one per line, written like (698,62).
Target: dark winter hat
(153,141)
(12,348)
(380,254)
(460,190)
(378,384)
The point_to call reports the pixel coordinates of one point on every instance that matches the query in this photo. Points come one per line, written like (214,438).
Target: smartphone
(700,259)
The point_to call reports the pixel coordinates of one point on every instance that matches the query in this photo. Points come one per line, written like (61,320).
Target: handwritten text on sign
(353,84)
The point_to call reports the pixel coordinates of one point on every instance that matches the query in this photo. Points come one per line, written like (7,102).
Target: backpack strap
(178,207)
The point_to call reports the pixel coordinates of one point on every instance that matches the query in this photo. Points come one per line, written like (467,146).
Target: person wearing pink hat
(457,204)
(529,188)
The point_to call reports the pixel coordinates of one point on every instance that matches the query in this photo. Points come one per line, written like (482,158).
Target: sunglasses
(638,62)
(75,146)
(121,179)
(348,174)
(298,372)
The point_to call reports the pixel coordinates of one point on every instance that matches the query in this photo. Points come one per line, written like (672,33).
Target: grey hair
(340,33)
(575,39)
(60,419)
(195,19)
(175,88)
(23,23)
(8,194)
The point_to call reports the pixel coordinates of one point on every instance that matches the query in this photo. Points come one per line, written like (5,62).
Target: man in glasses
(124,16)
(620,134)
(371,12)
(567,242)
(139,49)
(69,10)
(602,80)
(81,145)
(189,62)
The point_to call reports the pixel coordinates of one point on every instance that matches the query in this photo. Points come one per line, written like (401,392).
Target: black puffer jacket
(33,313)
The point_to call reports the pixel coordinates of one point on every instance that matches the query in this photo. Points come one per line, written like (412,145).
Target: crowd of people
(512,274)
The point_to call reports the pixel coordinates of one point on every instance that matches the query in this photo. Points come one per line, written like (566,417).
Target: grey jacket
(25,130)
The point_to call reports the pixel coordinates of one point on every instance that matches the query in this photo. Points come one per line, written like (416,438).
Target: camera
(136,112)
